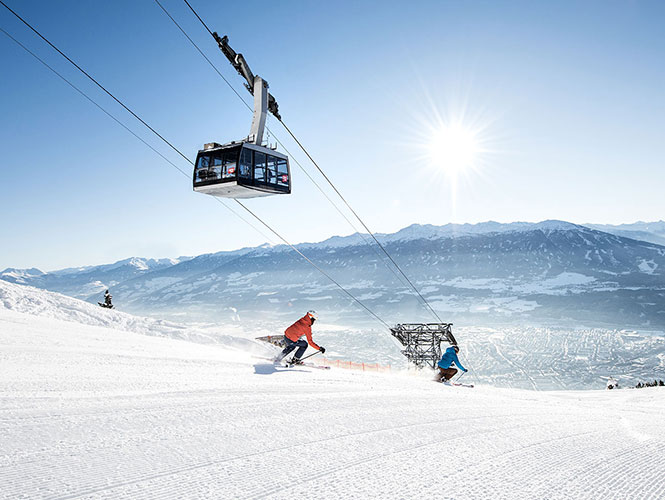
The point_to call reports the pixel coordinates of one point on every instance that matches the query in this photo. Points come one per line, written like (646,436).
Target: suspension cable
(182,30)
(107,113)
(185,157)
(93,80)
(103,110)
(427,304)
(361,221)
(360,233)
(202,54)
(199,18)
(313,264)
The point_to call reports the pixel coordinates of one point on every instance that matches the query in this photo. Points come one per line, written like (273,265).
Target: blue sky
(568,97)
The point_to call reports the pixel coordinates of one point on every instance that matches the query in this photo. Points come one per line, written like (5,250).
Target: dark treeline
(655,383)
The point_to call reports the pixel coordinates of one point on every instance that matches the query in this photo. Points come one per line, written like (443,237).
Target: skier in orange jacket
(293,338)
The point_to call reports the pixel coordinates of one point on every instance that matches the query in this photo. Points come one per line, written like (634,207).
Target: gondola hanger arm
(242,67)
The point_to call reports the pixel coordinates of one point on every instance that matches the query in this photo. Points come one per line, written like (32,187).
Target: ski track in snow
(92,412)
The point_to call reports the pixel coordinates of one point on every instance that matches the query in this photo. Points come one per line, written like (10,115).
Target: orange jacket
(301,327)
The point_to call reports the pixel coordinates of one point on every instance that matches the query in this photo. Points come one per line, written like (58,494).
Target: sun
(451,144)
(453,149)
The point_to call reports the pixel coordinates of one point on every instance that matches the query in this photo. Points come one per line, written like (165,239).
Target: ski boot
(295,362)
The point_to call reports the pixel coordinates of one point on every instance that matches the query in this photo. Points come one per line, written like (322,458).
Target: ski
(308,365)
(455,384)
(286,364)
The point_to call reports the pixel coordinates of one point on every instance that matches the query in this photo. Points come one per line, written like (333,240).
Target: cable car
(241,170)
(247,168)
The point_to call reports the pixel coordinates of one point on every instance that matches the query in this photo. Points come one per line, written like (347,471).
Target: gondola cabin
(241,170)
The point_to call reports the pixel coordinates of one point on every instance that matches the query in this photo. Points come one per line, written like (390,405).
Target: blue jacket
(449,357)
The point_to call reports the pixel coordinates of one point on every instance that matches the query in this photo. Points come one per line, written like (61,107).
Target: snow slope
(95,411)
(33,301)
(509,357)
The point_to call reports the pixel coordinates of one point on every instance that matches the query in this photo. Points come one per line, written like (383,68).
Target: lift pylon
(422,341)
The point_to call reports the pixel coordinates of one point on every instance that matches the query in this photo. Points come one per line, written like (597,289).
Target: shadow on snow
(269,369)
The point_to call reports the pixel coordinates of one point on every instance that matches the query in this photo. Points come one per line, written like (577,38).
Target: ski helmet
(456,347)
(313,314)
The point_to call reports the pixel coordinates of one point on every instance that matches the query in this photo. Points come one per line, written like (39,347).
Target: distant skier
(612,383)
(107,300)
(446,371)
(293,338)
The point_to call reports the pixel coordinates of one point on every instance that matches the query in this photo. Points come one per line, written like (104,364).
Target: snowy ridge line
(37,302)
(408,233)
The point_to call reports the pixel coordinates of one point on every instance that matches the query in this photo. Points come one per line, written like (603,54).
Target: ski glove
(322,350)
(465,370)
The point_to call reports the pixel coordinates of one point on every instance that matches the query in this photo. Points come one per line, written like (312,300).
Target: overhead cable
(313,264)
(181,154)
(94,81)
(182,30)
(103,110)
(107,113)
(369,231)
(399,277)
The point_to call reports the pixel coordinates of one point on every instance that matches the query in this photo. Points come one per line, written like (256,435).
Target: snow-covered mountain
(545,273)
(85,281)
(653,232)
(22,276)
(551,273)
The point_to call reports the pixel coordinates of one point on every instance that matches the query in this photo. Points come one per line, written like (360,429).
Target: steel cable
(175,149)
(107,113)
(403,274)
(364,238)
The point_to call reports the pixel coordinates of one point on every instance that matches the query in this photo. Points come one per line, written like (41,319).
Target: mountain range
(653,232)
(547,273)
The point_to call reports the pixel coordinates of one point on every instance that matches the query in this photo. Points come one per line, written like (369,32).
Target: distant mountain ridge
(653,232)
(549,272)
(429,231)
(81,282)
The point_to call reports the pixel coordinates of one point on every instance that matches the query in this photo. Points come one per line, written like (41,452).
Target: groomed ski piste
(100,404)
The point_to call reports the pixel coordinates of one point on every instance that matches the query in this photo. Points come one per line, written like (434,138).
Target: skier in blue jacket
(446,371)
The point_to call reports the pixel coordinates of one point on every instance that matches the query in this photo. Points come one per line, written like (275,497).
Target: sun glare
(452,144)
(453,149)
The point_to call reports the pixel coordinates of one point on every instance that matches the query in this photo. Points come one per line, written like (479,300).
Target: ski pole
(460,376)
(313,354)
(302,359)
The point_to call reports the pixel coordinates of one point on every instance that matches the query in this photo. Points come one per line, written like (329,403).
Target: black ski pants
(301,344)
(445,374)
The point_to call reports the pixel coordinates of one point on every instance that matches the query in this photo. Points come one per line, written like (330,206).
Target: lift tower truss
(422,341)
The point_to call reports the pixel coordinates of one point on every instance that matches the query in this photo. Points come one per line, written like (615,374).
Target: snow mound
(36,302)
(20,275)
